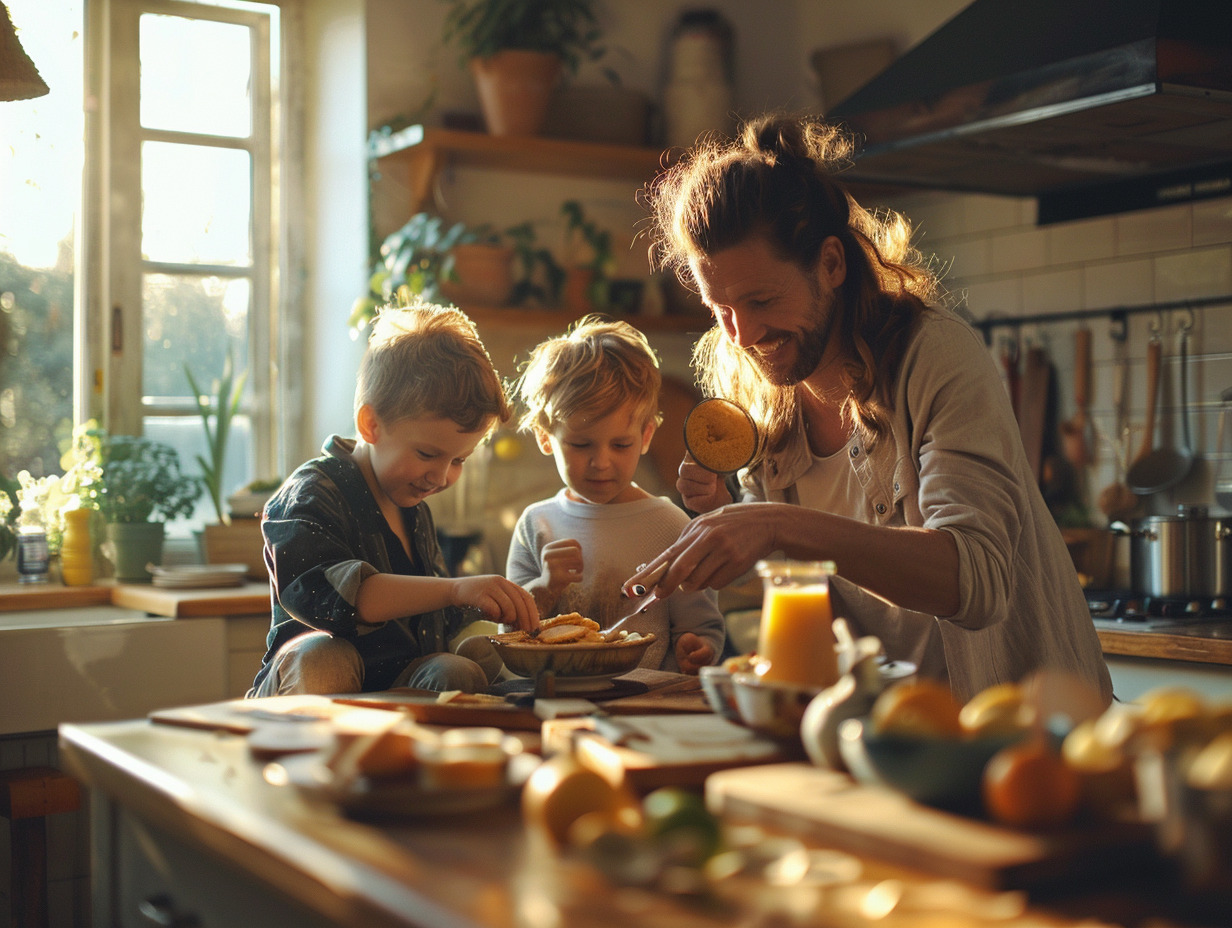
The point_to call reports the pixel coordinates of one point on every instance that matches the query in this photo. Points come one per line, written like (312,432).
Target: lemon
(922,707)
(561,791)
(998,710)
(507,448)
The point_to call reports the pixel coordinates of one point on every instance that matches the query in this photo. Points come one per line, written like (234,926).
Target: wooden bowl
(578,666)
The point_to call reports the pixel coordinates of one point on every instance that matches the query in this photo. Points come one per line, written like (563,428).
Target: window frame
(109,364)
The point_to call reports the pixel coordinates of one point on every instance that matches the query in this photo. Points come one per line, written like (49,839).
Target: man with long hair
(889,444)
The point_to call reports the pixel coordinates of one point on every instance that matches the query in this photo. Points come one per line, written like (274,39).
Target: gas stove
(1124,606)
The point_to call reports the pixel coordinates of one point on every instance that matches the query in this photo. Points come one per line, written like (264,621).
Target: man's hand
(693,652)
(701,490)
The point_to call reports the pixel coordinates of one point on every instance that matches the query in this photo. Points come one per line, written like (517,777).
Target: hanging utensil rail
(1116,313)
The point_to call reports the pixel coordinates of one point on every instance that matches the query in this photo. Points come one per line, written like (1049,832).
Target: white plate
(403,797)
(198,576)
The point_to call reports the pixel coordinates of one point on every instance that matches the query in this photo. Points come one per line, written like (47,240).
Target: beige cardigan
(954,461)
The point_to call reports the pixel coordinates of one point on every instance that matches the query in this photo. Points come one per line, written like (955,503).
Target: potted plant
(516,50)
(479,269)
(538,278)
(222,407)
(589,260)
(141,488)
(412,261)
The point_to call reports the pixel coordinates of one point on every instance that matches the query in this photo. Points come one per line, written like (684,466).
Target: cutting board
(833,810)
(648,751)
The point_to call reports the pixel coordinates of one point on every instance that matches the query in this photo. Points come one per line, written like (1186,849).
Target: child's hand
(700,490)
(693,652)
(500,599)
(562,565)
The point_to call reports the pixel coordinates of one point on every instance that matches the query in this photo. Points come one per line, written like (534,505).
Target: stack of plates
(199,576)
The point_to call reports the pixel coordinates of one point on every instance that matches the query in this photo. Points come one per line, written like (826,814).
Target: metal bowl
(575,665)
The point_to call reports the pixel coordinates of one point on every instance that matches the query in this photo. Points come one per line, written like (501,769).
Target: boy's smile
(597,458)
(410,459)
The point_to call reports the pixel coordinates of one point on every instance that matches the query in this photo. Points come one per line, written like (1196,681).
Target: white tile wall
(1004,265)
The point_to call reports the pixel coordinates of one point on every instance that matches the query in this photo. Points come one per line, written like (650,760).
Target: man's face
(780,315)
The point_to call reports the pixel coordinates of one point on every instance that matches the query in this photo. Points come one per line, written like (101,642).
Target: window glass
(196,204)
(41,158)
(194,321)
(196,76)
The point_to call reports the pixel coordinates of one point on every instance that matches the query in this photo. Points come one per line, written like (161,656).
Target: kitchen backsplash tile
(1212,222)
(1126,282)
(1166,228)
(1198,273)
(1019,250)
(1073,242)
(1053,291)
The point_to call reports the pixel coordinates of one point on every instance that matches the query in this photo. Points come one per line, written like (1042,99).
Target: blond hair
(596,367)
(427,360)
(776,181)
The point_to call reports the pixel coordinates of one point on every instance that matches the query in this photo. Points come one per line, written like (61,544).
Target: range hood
(1094,106)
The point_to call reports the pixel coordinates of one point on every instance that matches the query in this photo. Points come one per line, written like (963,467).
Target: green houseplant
(141,489)
(516,50)
(589,260)
(221,406)
(412,261)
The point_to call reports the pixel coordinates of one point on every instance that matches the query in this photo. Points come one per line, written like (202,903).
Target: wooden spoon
(1117,501)
(1076,430)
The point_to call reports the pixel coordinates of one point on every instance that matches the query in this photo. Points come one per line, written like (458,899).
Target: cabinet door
(163,881)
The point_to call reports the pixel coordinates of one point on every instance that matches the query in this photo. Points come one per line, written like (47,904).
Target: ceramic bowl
(943,772)
(583,662)
(720,692)
(770,707)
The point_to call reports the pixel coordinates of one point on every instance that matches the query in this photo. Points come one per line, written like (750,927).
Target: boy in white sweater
(592,402)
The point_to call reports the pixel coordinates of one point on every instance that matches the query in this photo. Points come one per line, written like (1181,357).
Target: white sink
(99,663)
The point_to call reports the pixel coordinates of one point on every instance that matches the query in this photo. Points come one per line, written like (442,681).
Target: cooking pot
(1185,556)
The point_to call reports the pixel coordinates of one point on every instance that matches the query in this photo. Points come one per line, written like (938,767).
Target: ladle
(1166,467)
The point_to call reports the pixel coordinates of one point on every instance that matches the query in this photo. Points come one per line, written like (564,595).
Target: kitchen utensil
(720,435)
(1166,467)
(612,632)
(1117,500)
(1184,556)
(1076,432)
(1034,407)
(1223,476)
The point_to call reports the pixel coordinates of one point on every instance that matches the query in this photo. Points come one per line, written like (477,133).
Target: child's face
(416,457)
(596,458)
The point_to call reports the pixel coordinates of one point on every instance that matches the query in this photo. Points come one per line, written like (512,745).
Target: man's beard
(810,346)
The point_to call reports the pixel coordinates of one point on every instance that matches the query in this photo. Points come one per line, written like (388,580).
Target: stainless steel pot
(1185,556)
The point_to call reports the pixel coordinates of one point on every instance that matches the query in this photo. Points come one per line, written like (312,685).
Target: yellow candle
(77,549)
(796,640)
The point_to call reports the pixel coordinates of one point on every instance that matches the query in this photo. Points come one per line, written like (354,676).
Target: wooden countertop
(477,871)
(1206,642)
(247,599)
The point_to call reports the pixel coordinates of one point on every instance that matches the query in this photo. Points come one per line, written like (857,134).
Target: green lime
(678,820)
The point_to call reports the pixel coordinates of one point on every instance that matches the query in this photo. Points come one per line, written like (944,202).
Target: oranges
(923,708)
(1028,785)
(562,791)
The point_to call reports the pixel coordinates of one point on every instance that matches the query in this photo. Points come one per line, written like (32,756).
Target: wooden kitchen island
(186,825)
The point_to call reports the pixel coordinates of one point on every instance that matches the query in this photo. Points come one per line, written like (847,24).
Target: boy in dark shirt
(361,600)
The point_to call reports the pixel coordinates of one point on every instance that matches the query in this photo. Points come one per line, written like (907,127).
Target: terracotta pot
(515,89)
(484,272)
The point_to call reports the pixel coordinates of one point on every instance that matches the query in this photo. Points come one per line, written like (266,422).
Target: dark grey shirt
(324,535)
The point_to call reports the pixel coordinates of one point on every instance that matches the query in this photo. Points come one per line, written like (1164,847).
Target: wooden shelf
(425,151)
(516,317)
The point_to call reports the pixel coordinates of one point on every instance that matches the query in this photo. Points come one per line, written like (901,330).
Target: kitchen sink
(102,663)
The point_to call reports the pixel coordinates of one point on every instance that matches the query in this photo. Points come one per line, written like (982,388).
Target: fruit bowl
(578,666)
(720,692)
(935,771)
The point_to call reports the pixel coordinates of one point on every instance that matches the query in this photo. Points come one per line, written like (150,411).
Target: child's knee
(447,671)
(319,663)
(480,650)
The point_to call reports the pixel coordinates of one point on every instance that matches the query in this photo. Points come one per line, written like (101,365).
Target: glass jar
(33,556)
(796,639)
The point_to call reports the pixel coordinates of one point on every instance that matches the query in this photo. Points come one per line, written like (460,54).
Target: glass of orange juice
(796,639)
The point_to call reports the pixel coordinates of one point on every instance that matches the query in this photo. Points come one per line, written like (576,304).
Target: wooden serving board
(648,751)
(835,811)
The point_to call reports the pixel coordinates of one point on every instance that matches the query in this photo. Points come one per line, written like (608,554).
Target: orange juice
(796,639)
